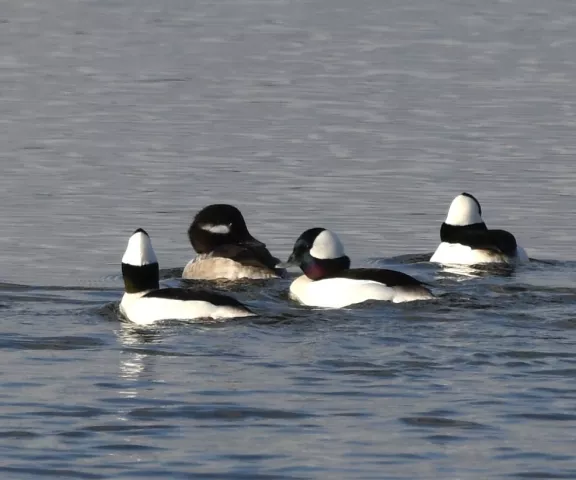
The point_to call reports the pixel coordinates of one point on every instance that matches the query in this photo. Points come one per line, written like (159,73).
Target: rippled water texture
(363,116)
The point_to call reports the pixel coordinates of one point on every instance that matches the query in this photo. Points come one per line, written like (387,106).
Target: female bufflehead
(329,282)
(225,248)
(466,240)
(144,302)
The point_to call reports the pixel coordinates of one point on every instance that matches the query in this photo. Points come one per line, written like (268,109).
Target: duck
(225,248)
(466,240)
(329,282)
(145,303)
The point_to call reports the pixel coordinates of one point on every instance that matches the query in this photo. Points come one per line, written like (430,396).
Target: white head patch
(327,246)
(139,251)
(219,229)
(463,211)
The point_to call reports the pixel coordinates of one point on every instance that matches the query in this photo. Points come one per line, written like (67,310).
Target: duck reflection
(136,361)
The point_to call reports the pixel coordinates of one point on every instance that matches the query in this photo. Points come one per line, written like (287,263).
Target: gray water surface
(365,117)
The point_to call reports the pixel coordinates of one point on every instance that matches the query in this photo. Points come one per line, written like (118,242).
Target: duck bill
(291,262)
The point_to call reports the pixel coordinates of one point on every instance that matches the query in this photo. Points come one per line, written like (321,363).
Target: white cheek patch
(139,251)
(463,211)
(327,246)
(219,229)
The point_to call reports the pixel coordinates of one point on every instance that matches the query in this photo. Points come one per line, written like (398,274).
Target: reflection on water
(136,361)
(479,271)
(133,366)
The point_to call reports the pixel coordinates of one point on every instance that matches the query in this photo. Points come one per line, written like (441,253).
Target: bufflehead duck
(225,248)
(466,240)
(329,282)
(144,302)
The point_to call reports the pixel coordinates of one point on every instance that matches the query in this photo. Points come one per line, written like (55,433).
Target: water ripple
(49,472)
(211,412)
(50,343)
(441,422)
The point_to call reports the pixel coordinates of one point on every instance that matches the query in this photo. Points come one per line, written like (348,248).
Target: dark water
(366,117)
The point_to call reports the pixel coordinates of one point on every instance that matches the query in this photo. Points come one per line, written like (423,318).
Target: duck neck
(141,278)
(450,233)
(317,269)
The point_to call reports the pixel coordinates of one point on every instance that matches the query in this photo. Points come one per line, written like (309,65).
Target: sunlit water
(366,117)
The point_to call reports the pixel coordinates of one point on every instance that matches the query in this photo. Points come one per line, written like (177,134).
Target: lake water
(365,117)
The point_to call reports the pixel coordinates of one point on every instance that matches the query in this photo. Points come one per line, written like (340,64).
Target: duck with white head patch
(226,249)
(144,302)
(466,240)
(329,282)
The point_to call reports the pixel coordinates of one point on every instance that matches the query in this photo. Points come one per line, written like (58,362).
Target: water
(366,117)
